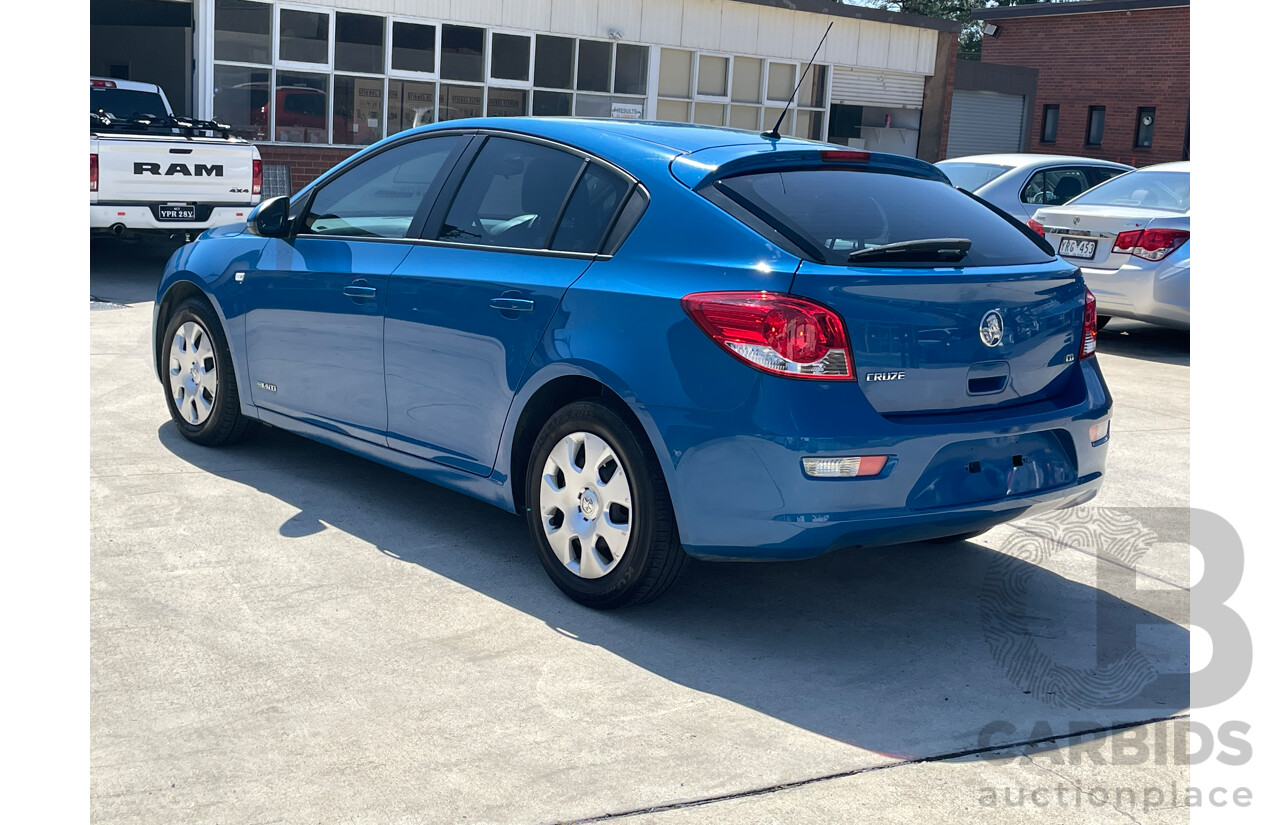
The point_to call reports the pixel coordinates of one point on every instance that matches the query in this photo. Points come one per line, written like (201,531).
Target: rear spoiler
(141,124)
(697,169)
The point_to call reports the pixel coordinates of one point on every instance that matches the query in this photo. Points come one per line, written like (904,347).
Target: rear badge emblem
(1075,221)
(991,330)
(885,376)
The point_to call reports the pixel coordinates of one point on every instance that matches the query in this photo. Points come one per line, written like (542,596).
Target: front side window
(511,195)
(380,197)
(1097,119)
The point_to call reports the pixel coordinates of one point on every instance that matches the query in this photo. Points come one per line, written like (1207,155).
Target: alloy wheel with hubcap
(193,377)
(199,381)
(586,505)
(599,510)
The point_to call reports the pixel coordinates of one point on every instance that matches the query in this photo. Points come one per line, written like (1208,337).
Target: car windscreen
(1154,190)
(126,102)
(971,176)
(836,213)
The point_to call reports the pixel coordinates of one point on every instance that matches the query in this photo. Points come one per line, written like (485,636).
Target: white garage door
(984,122)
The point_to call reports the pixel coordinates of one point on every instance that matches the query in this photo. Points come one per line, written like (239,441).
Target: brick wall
(306,163)
(1121,60)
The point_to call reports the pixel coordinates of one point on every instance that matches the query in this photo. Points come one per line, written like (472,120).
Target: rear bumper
(1155,292)
(140,218)
(740,493)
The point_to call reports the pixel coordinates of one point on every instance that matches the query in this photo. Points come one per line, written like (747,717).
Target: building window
(242,100)
(675,74)
(1049,124)
(304,36)
(358,43)
(507,102)
(510,58)
(302,107)
(1146,128)
(413,48)
(713,76)
(553,65)
(552,104)
(631,72)
(460,101)
(410,103)
(462,53)
(595,64)
(357,110)
(1097,118)
(242,31)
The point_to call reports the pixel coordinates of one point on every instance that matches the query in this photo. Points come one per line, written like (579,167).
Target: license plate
(182,212)
(1077,248)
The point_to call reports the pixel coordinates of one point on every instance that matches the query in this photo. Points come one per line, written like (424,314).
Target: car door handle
(512,304)
(363,292)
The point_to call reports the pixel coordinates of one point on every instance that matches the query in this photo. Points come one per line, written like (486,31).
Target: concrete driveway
(285,633)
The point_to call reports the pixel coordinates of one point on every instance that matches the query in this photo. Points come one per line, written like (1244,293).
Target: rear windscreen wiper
(929,250)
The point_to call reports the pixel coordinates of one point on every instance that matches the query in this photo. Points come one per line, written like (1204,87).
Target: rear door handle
(512,304)
(360,292)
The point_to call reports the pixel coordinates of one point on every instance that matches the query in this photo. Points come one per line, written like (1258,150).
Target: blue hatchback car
(656,341)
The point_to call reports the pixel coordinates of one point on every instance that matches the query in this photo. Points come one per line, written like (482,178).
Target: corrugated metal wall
(984,122)
(862,87)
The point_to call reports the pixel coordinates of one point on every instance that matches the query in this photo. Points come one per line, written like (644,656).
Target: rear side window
(380,197)
(512,195)
(834,212)
(125,102)
(1054,187)
(972,176)
(590,212)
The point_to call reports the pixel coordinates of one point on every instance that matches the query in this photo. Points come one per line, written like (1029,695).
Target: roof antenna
(773,133)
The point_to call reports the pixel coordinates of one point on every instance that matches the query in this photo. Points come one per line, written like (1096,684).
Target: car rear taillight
(257,177)
(1089,337)
(102,84)
(776,333)
(1036,227)
(1151,244)
(93,172)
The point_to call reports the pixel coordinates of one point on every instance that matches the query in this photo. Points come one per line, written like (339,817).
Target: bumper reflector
(844,467)
(1100,432)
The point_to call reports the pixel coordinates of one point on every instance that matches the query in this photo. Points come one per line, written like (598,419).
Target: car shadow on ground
(127,271)
(909,651)
(1134,339)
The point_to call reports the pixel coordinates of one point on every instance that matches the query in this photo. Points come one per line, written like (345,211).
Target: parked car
(1020,184)
(655,341)
(152,172)
(1131,237)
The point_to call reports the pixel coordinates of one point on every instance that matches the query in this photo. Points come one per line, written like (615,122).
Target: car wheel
(1103,320)
(200,385)
(599,510)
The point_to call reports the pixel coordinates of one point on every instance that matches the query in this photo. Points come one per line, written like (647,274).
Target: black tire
(653,557)
(225,423)
(958,537)
(1103,320)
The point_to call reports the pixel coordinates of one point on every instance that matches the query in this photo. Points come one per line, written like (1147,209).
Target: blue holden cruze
(655,340)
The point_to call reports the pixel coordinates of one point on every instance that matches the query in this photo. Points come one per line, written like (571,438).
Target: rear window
(972,176)
(834,212)
(125,102)
(1155,190)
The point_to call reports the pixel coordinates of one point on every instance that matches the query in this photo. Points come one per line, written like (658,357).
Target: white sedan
(1020,184)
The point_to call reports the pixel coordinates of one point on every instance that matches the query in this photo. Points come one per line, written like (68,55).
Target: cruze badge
(991,330)
(886,376)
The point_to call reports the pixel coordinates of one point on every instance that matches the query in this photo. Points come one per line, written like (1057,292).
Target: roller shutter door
(984,122)
(863,87)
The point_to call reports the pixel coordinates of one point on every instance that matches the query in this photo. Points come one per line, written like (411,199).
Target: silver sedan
(1020,183)
(1131,237)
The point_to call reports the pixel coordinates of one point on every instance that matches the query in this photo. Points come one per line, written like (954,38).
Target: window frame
(484,57)
(453,186)
(1137,129)
(272,36)
(1044,122)
(504,82)
(1088,128)
(406,74)
(297,65)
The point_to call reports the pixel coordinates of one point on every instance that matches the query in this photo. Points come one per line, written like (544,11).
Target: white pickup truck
(152,172)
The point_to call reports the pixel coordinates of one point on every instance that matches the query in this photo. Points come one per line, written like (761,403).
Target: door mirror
(270,219)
